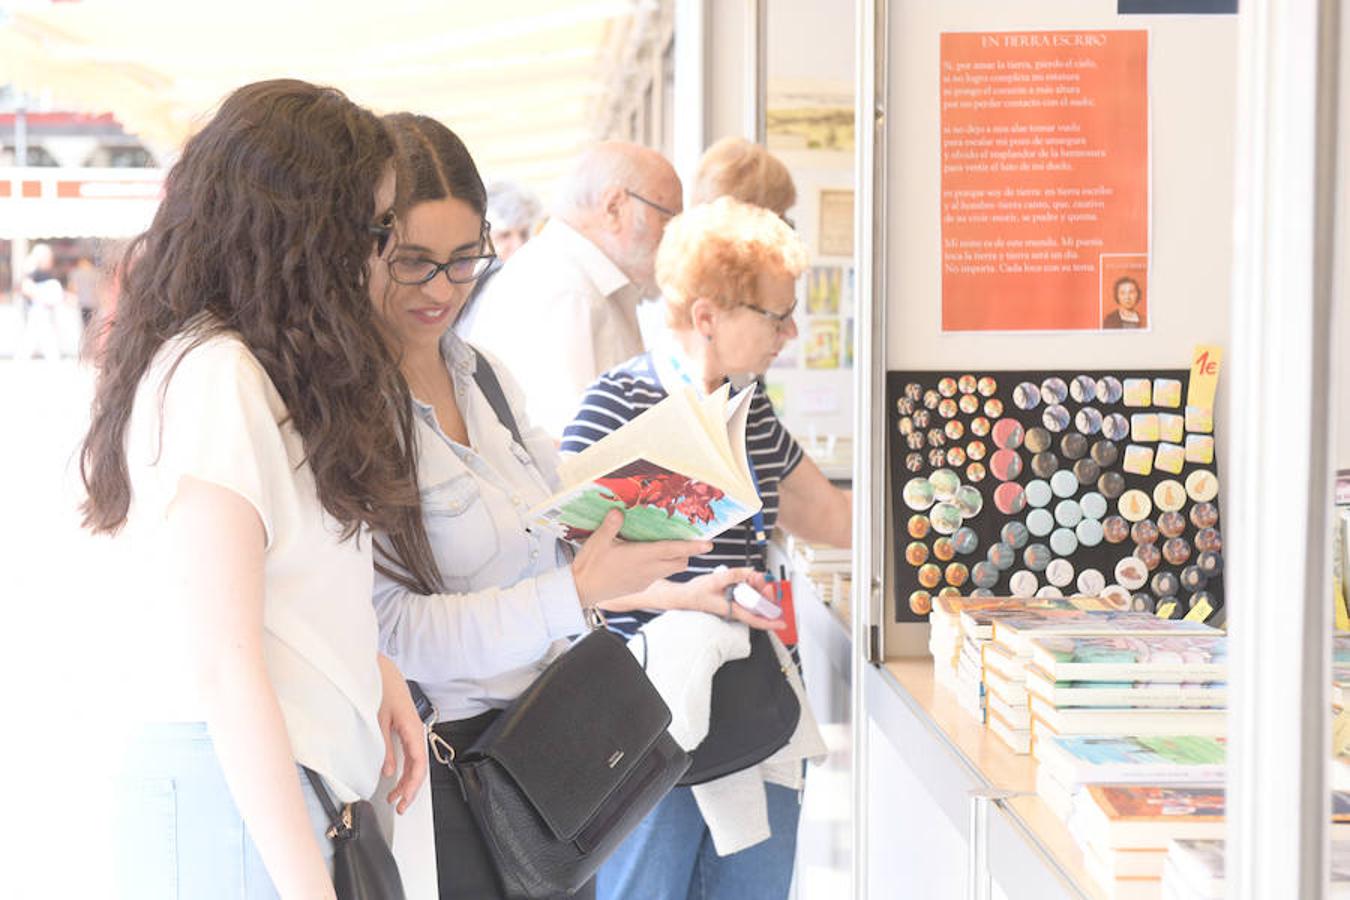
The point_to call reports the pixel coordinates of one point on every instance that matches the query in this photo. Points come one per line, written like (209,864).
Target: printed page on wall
(1045,181)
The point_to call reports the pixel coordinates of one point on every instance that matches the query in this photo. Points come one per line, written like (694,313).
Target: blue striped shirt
(630,389)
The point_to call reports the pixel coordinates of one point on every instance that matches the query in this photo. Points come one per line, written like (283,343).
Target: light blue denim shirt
(510,599)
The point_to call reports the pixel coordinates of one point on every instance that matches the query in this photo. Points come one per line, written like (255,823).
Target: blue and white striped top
(630,389)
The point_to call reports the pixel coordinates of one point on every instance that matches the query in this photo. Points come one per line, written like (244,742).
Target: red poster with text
(1045,181)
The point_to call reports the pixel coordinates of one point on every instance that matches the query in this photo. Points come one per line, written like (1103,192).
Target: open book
(679,471)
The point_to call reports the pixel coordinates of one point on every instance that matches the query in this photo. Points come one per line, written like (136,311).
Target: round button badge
(1063,483)
(1023,584)
(946,518)
(1043,465)
(1091,582)
(1135,505)
(945,483)
(1059,573)
(1040,522)
(1131,573)
(1027,396)
(1109,390)
(1093,505)
(1005,464)
(1105,453)
(1038,440)
(1202,486)
(1014,534)
(1039,493)
(1009,498)
(1008,434)
(1037,557)
(1089,532)
(1083,389)
(1169,495)
(1115,529)
(1068,513)
(1064,542)
(918,493)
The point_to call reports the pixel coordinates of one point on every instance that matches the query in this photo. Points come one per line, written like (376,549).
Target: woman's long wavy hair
(263,232)
(432,164)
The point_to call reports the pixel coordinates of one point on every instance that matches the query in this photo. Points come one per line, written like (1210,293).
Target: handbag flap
(573,737)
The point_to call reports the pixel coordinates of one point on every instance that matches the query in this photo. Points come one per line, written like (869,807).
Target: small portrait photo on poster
(1124,291)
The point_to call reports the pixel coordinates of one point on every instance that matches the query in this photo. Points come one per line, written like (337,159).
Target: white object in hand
(754,601)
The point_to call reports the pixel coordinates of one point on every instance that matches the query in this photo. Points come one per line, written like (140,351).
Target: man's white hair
(605,165)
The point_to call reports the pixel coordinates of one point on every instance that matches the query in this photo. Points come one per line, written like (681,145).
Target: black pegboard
(988,524)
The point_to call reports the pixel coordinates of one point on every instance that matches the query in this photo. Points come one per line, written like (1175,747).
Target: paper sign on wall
(1045,160)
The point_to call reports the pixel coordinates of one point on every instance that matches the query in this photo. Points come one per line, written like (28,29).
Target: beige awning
(516,80)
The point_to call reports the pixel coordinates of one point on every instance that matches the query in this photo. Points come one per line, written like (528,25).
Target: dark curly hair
(432,164)
(263,232)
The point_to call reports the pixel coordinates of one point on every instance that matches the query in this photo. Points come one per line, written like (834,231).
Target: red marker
(782,589)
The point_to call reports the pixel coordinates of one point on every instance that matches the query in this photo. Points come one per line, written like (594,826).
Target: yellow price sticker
(1200,612)
(1165,611)
(1205,362)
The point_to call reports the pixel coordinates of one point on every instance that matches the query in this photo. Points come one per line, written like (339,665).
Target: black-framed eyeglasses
(382,231)
(780,321)
(414,270)
(663,210)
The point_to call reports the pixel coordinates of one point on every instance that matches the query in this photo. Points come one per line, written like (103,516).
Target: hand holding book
(607,567)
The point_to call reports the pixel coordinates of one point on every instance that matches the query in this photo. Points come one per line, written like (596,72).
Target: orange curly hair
(715,251)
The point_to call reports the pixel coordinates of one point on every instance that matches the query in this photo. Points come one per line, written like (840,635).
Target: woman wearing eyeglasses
(476,609)
(246,430)
(727,272)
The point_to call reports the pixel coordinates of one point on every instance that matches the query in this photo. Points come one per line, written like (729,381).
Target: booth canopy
(517,80)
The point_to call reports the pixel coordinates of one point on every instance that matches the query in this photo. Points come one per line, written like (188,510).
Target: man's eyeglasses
(458,270)
(665,211)
(780,321)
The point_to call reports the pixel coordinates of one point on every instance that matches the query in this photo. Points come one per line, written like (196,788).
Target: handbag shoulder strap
(325,798)
(496,397)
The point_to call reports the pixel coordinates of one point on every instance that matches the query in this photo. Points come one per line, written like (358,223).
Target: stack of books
(1124,828)
(1165,684)
(977,630)
(1070,763)
(1195,870)
(827,568)
(944,632)
(1008,653)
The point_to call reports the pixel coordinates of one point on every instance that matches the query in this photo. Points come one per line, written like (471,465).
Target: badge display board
(1043,483)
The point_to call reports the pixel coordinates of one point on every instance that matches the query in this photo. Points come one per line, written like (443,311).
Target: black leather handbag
(569,769)
(363,865)
(753,715)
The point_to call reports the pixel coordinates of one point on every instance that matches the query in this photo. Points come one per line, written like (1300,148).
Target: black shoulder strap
(496,397)
(325,799)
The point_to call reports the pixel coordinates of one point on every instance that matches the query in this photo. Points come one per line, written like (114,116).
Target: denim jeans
(180,835)
(671,857)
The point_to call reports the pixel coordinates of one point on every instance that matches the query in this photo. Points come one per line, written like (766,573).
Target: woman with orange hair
(727,272)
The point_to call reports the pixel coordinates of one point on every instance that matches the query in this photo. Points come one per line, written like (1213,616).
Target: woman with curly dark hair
(249,429)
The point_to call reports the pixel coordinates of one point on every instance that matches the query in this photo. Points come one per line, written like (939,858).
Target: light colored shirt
(220,420)
(510,600)
(557,315)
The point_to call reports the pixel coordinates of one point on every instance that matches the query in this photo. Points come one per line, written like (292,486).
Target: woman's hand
(607,567)
(398,717)
(707,593)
